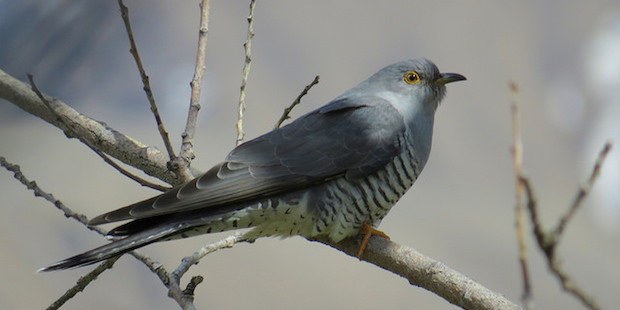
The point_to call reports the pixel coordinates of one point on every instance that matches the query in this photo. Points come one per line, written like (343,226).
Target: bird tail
(115,248)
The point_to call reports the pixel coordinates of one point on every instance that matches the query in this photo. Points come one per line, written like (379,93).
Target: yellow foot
(368,231)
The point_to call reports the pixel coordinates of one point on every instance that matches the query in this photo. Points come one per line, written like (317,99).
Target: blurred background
(564,55)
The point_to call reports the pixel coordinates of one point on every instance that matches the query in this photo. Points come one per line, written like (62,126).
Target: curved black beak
(446,78)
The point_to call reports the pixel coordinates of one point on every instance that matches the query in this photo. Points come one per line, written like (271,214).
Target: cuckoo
(333,172)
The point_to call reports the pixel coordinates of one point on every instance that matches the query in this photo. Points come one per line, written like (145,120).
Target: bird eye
(412,77)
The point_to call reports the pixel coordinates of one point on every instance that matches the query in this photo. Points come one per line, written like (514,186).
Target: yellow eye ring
(412,77)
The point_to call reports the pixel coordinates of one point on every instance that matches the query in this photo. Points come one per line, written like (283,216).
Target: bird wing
(344,138)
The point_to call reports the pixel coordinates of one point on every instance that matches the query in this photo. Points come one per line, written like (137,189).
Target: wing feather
(346,137)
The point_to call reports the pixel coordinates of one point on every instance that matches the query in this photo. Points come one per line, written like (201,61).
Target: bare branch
(191,286)
(38,192)
(172,280)
(75,125)
(82,282)
(175,291)
(425,272)
(532,207)
(583,190)
(128,174)
(81,218)
(101,154)
(145,80)
(517,151)
(549,241)
(287,111)
(189,261)
(246,71)
(187,153)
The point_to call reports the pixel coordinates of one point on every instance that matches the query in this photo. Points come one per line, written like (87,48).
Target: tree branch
(169,280)
(517,152)
(583,191)
(101,154)
(287,111)
(38,192)
(425,272)
(181,164)
(547,241)
(246,72)
(145,80)
(174,289)
(76,125)
(189,261)
(82,282)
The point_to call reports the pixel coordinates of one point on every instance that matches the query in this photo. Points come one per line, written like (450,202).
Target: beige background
(461,210)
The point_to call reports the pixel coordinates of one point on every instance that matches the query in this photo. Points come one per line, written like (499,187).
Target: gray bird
(333,172)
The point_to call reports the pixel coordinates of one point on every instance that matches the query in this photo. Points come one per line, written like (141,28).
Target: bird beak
(446,78)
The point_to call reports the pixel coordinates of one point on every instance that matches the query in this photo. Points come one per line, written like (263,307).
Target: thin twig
(186,155)
(549,241)
(173,280)
(174,290)
(185,297)
(246,71)
(38,192)
(153,265)
(189,261)
(145,80)
(583,190)
(287,111)
(548,244)
(191,286)
(553,237)
(105,157)
(517,150)
(68,212)
(82,282)
(81,218)
(532,207)
(128,174)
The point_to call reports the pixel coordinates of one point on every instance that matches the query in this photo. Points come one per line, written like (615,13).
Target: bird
(334,172)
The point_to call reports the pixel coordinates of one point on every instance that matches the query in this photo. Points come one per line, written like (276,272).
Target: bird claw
(368,231)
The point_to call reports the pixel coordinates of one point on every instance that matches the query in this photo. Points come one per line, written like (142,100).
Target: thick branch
(425,272)
(103,156)
(95,133)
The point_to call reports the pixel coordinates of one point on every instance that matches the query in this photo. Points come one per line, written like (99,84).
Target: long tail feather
(115,248)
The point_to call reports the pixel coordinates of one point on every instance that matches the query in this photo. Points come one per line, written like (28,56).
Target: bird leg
(368,231)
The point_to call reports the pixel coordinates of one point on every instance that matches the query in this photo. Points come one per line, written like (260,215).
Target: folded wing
(346,138)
